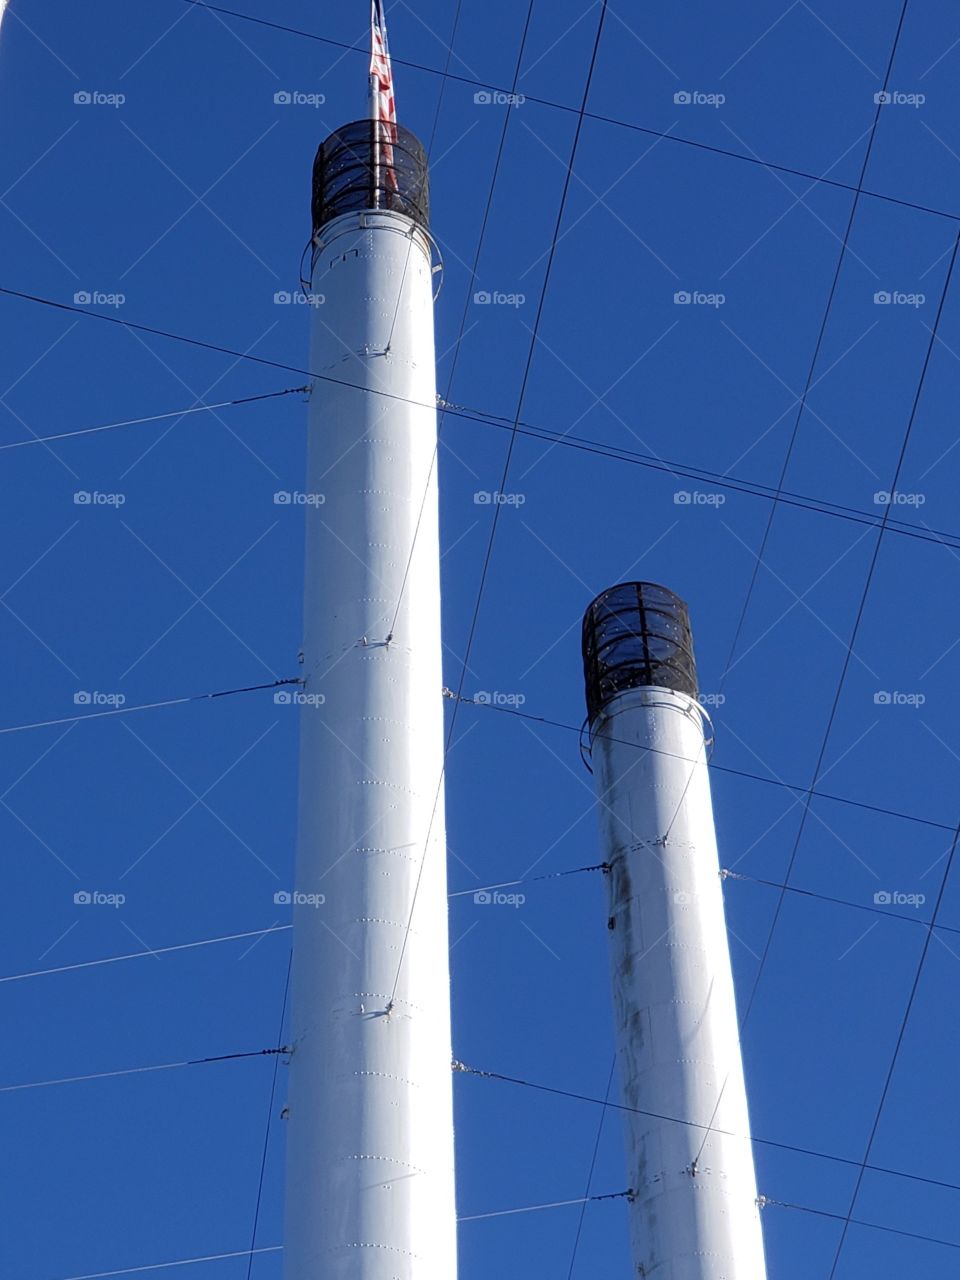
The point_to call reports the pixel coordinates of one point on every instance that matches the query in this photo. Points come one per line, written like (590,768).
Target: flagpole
(374,112)
(375,130)
(375,141)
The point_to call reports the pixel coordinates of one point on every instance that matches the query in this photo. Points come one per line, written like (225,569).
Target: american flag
(383,104)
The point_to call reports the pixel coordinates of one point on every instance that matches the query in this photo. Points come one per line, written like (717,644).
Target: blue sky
(190,198)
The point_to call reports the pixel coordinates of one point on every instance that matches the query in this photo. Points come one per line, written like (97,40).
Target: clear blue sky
(191,199)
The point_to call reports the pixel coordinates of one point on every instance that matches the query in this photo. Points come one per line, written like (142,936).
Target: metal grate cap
(636,634)
(371,165)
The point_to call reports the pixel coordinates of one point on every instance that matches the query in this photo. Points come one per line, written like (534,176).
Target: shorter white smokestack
(694,1215)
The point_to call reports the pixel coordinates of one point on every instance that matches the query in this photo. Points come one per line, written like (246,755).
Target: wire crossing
(794,788)
(818,346)
(764,1203)
(464,1069)
(854,634)
(588,115)
(517,426)
(503,481)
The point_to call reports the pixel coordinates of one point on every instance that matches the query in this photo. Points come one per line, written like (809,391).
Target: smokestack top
(371,165)
(636,634)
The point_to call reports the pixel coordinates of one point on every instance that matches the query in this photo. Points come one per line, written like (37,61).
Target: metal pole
(694,1215)
(375,142)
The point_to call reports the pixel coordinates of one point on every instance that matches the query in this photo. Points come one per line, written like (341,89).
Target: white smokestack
(370,1187)
(694,1215)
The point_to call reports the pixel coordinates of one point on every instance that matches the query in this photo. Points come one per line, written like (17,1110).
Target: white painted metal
(695,1215)
(370,1190)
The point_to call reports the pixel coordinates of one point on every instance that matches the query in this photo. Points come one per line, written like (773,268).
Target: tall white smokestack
(694,1214)
(370,1188)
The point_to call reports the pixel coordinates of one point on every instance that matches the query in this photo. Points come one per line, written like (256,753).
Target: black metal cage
(371,165)
(636,634)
